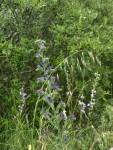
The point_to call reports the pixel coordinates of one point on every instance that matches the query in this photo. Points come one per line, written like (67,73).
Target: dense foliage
(78,39)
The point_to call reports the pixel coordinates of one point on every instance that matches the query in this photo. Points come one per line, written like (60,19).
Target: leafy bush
(67,100)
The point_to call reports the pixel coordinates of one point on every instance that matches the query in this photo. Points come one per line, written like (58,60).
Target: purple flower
(46,97)
(54,84)
(57,87)
(45,114)
(43,110)
(62,115)
(38,66)
(71,117)
(45,132)
(50,100)
(46,74)
(49,68)
(43,63)
(39,91)
(52,78)
(42,46)
(40,79)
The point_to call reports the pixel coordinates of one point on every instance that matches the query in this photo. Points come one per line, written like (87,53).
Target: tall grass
(20,136)
(61,122)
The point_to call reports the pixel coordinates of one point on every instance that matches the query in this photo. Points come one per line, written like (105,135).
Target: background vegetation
(76,38)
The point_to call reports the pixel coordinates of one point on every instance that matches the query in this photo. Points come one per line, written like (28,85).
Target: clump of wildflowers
(93,91)
(92,101)
(48,80)
(48,92)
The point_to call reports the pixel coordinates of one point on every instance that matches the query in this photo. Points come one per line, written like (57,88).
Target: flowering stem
(35,110)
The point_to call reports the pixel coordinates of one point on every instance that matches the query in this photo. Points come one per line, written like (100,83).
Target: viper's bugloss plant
(52,109)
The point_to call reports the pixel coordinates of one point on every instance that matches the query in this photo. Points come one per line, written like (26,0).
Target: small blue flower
(45,132)
(54,83)
(50,100)
(62,115)
(39,91)
(40,79)
(43,110)
(71,117)
(56,87)
(46,74)
(46,97)
(38,66)
(42,46)
(45,114)
(52,78)
(43,63)
(49,68)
